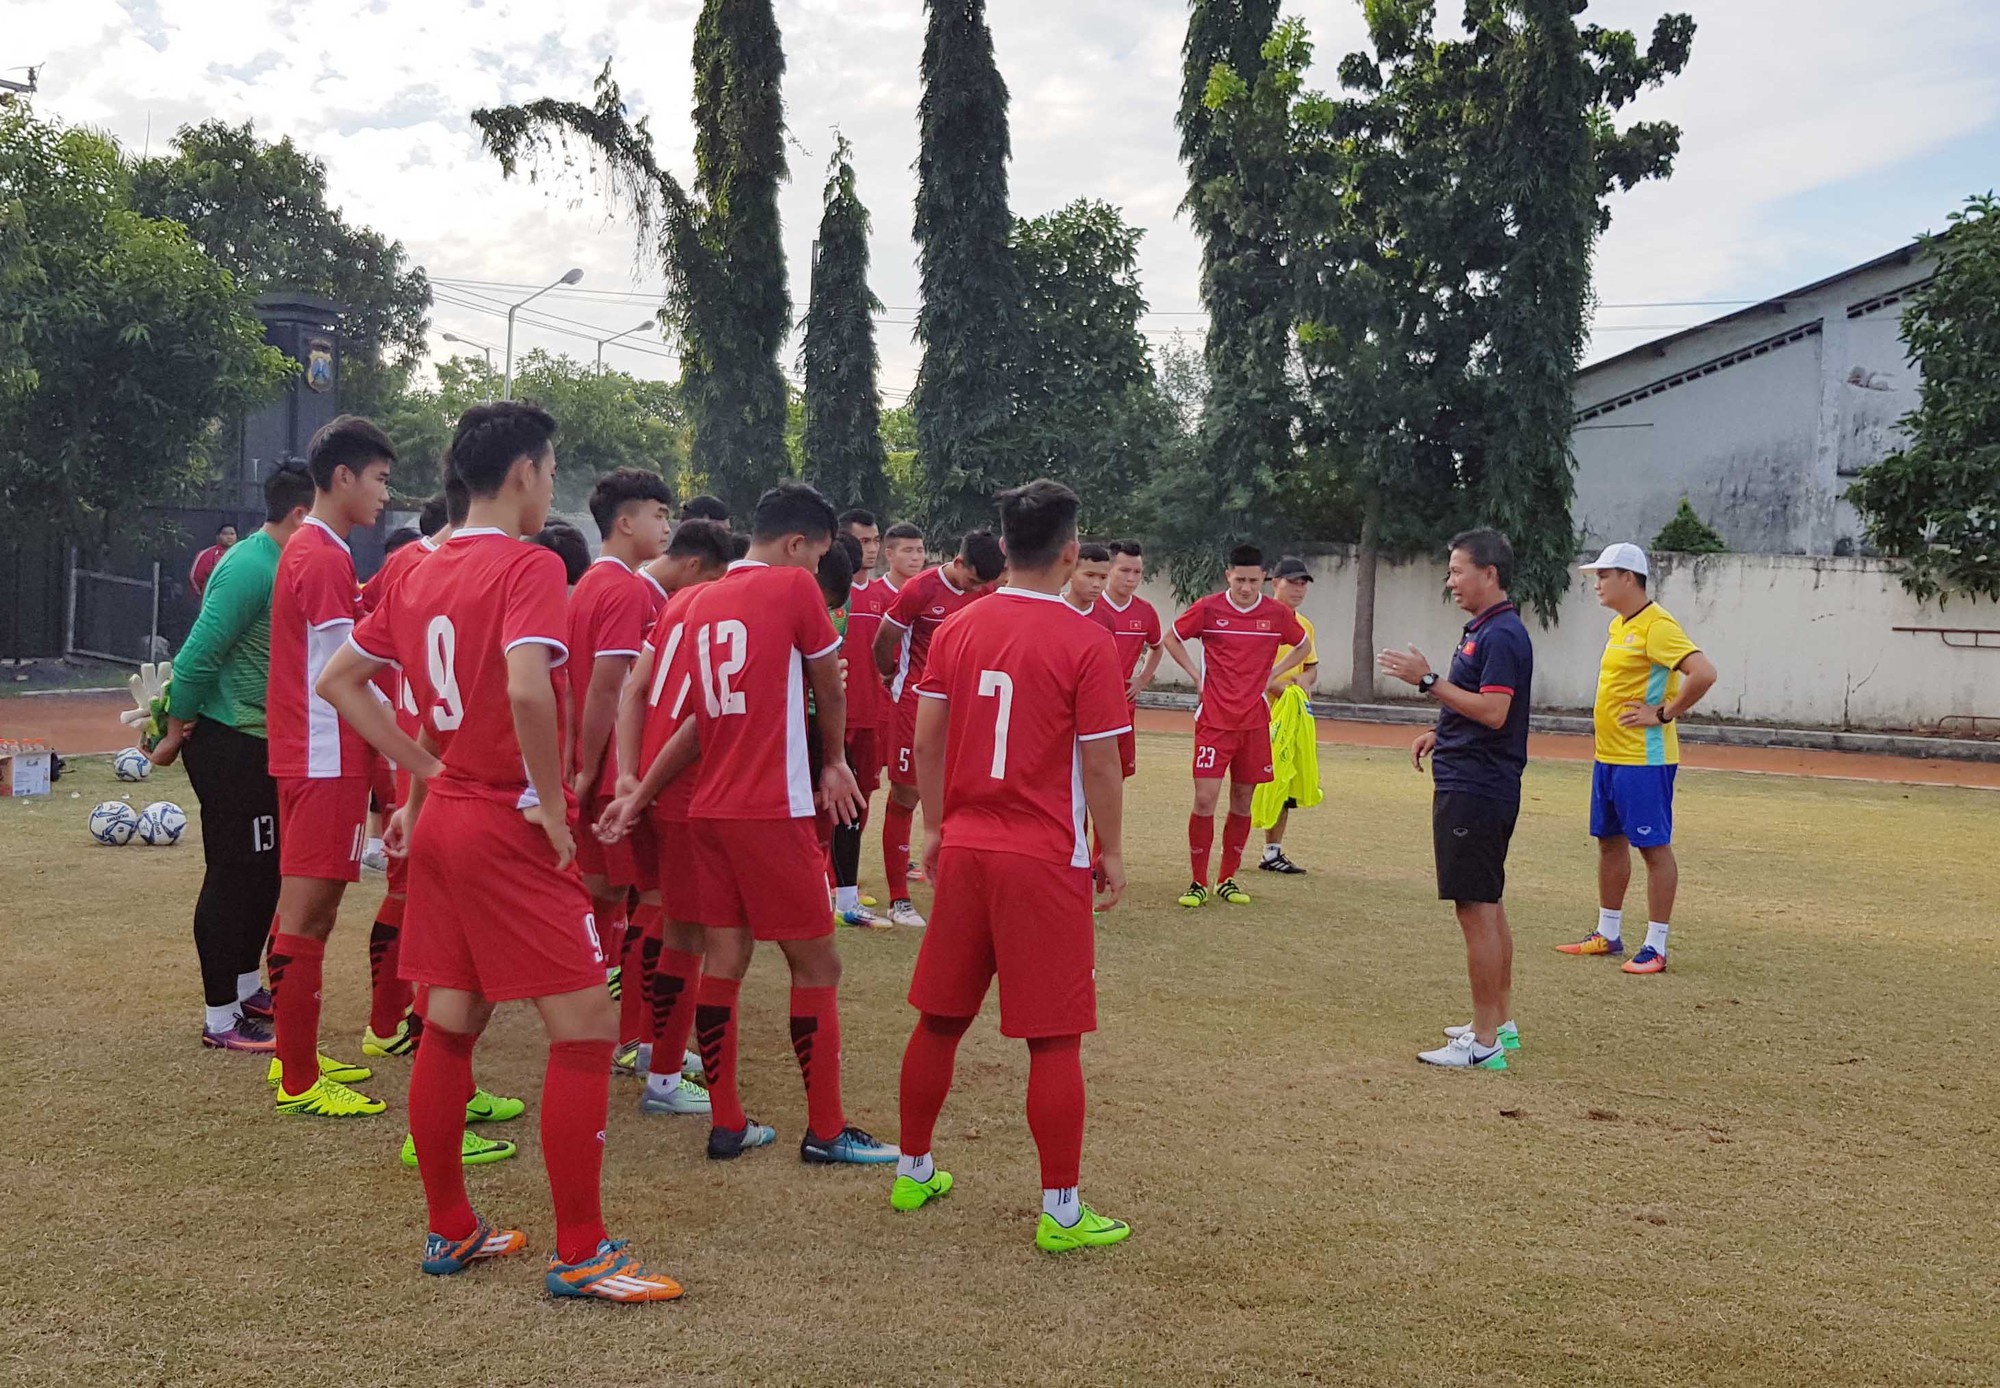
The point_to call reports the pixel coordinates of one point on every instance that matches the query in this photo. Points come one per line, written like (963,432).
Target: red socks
(675,990)
(576,1094)
(296,963)
(715,1028)
(388,995)
(440,1085)
(896,821)
(1235,833)
(1055,1107)
(609,913)
(927,1068)
(1201,837)
(816,1042)
(632,979)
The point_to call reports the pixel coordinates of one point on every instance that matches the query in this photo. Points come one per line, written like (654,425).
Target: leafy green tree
(1688,533)
(260,210)
(721,248)
(124,343)
(970,319)
(1089,412)
(1934,505)
(842,445)
(607,420)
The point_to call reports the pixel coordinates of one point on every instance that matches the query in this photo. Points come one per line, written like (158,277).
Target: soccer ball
(131,765)
(113,823)
(161,823)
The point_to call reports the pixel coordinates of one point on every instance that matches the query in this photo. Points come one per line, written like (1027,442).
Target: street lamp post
(468,342)
(507,380)
(603,342)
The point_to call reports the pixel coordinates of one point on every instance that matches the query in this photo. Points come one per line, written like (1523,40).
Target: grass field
(1773,1165)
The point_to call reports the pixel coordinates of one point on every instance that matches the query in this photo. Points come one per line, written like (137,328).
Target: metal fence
(111,617)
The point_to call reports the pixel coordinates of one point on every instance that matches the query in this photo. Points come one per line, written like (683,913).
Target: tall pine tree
(721,249)
(843,427)
(969,324)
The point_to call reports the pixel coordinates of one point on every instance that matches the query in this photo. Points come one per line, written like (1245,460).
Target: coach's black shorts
(239,800)
(1469,834)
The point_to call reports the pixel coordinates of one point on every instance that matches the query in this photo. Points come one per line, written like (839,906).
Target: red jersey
(668,703)
(449,624)
(1239,647)
(1028,680)
(656,597)
(314,602)
(390,682)
(747,638)
(1135,627)
(866,602)
(919,609)
(610,611)
(204,565)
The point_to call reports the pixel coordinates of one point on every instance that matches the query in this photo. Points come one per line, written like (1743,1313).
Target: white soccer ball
(113,823)
(131,765)
(161,823)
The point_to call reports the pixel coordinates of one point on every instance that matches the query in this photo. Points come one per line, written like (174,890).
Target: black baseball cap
(1292,567)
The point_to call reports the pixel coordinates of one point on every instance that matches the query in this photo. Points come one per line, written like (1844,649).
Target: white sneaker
(903,913)
(375,860)
(1509,1036)
(685,1097)
(691,1065)
(1465,1053)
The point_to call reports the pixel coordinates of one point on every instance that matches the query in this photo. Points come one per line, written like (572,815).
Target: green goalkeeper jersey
(222,667)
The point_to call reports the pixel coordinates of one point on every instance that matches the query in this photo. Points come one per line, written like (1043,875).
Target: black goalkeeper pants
(239,843)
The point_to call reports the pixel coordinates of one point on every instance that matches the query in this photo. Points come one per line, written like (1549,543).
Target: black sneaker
(727,1144)
(1278,862)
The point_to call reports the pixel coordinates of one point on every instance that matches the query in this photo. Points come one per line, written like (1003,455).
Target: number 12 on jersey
(998,684)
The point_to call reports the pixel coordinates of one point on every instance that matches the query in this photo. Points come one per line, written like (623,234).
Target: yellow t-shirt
(1285,653)
(1641,658)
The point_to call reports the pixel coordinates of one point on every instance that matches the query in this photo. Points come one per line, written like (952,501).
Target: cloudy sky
(1817,133)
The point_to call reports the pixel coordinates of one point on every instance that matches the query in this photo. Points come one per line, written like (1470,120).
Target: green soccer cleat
(329,1069)
(1231,893)
(474,1151)
(492,1108)
(1092,1230)
(401,1040)
(1195,895)
(911,1194)
(329,1099)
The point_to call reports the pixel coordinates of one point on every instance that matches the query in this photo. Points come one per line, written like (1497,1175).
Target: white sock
(847,898)
(916,1168)
(247,985)
(659,1086)
(374,845)
(1062,1206)
(223,1018)
(1611,924)
(1656,935)
(1508,1025)
(1273,850)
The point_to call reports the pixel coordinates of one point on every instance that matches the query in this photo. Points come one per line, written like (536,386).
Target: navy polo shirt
(1494,653)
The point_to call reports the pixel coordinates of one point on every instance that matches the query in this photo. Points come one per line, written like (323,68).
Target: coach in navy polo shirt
(1478,750)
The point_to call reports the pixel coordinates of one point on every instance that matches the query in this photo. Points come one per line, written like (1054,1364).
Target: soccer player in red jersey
(322,765)
(610,611)
(867,599)
(920,608)
(1087,580)
(1240,631)
(1135,626)
(750,645)
(648,715)
(497,909)
(1023,703)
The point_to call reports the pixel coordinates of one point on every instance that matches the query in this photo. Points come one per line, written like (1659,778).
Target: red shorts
(1128,753)
(674,869)
(902,748)
(490,912)
(864,755)
(1241,754)
(321,826)
(633,861)
(1027,920)
(764,875)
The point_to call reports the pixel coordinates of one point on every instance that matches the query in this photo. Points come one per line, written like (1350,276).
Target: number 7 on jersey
(998,684)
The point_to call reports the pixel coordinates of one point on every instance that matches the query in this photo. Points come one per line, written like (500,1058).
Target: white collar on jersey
(1012,592)
(614,559)
(1246,610)
(428,543)
(956,592)
(648,576)
(315,520)
(477,531)
(1105,598)
(736,564)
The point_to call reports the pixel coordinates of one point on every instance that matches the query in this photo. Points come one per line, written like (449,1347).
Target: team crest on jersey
(1631,638)
(1222,621)
(319,366)
(938,611)
(1468,648)
(1263,626)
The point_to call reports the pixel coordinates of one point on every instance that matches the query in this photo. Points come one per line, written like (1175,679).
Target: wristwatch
(1427,683)
(1662,716)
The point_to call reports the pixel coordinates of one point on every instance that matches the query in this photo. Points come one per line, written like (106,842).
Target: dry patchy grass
(1771,1166)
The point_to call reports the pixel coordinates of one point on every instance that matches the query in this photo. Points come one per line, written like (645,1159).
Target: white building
(1762,419)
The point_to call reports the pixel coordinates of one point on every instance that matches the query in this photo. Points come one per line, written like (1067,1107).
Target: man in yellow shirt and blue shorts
(1651,675)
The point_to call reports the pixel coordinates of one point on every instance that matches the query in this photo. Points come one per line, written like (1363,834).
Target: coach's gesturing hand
(1421,748)
(552,820)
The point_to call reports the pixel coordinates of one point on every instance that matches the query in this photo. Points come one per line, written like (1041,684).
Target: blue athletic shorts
(1636,802)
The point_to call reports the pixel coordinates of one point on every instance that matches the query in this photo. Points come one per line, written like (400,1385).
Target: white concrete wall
(1799,641)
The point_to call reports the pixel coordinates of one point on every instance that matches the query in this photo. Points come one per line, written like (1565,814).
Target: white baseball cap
(1622,556)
